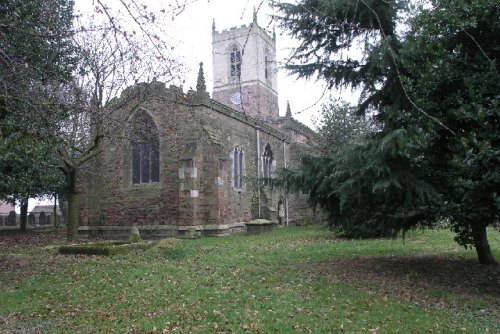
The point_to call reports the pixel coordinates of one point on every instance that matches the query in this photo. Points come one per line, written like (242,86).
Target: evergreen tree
(36,55)
(340,126)
(434,90)
(452,66)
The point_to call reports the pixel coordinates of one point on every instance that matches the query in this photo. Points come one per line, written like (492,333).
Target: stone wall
(38,219)
(195,189)
(258,92)
(256,99)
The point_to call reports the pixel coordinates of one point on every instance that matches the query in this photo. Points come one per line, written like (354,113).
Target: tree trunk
(482,246)
(24,213)
(73,199)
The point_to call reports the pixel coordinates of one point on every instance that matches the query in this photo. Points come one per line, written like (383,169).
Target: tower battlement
(244,65)
(244,29)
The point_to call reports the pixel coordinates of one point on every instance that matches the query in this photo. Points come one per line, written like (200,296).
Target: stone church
(184,164)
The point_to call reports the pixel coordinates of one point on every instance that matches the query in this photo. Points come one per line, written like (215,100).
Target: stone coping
(260,222)
(164,227)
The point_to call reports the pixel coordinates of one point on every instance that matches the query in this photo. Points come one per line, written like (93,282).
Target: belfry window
(235,61)
(267,161)
(238,160)
(266,68)
(145,149)
(267,64)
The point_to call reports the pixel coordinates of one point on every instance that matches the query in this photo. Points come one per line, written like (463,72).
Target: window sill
(144,186)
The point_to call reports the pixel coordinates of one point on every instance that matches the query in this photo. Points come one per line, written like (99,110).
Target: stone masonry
(196,193)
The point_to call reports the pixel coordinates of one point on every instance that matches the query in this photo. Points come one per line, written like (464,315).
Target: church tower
(244,65)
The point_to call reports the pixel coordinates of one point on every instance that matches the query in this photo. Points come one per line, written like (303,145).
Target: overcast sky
(191,34)
(194,27)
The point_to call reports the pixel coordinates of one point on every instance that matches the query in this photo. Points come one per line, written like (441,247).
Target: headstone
(11,219)
(135,236)
(64,212)
(42,219)
(48,221)
(281,212)
(31,219)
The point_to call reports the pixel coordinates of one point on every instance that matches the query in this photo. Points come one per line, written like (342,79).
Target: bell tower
(244,65)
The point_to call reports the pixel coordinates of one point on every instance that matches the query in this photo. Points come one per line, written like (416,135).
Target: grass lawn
(293,280)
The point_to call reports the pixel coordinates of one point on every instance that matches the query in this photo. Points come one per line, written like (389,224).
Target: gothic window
(238,168)
(235,61)
(267,64)
(267,159)
(145,149)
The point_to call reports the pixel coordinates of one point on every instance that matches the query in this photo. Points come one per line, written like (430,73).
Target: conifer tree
(434,92)
(36,55)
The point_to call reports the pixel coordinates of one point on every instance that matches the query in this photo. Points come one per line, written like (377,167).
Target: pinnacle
(288,109)
(201,86)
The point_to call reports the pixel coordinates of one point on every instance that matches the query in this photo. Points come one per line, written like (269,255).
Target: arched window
(235,61)
(267,159)
(267,64)
(145,149)
(238,168)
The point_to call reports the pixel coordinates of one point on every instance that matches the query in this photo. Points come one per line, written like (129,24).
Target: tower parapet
(245,69)
(244,29)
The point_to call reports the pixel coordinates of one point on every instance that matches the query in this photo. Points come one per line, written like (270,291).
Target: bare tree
(110,59)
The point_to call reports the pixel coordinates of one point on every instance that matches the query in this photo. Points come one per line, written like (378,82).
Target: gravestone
(31,219)
(11,219)
(42,219)
(48,221)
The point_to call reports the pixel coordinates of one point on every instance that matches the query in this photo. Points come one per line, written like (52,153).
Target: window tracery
(145,149)
(235,61)
(238,159)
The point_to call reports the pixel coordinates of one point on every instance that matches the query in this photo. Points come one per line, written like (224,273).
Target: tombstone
(31,219)
(11,219)
(42,219)
(48,219)
(281,212)
(63,207)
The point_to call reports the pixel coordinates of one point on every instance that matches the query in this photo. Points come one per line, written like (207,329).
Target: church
(185,164)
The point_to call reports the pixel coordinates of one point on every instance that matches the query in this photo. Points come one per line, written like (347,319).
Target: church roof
(48,209)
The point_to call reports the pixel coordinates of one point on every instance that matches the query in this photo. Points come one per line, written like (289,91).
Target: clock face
(236,98)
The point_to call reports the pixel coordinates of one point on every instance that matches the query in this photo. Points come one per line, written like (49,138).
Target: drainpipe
(286,192)
(258,166)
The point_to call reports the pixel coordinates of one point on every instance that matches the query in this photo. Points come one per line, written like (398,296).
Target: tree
(457,81)
(36,55)
(30,172)
(58,74)
(340,126)
(434,90)
(111,58)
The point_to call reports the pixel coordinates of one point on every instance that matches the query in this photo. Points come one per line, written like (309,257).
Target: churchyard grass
(299,279)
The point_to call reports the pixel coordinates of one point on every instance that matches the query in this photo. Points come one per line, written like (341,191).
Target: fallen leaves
(237,287)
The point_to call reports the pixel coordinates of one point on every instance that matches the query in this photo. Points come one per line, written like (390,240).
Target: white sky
(194,29)
(191,34)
